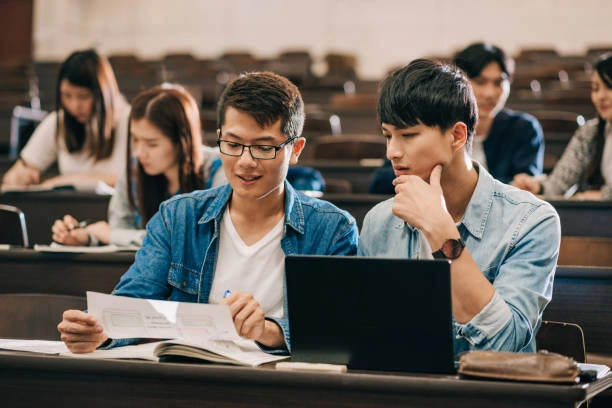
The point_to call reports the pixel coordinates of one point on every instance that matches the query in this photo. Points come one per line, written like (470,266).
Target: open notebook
(236,352)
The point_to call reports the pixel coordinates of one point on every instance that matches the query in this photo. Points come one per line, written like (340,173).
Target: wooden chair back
(562,338)
(349,147)
(34,315)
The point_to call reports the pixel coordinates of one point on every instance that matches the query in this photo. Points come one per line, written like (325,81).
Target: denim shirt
(514,239)
(178,257)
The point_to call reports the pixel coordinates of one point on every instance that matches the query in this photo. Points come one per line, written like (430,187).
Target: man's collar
(294,213)
(477,211)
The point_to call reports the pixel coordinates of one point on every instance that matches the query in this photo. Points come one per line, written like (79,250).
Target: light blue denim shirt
(178,257)
(514,238)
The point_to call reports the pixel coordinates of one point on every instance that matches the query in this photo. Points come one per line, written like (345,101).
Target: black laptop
(371,313)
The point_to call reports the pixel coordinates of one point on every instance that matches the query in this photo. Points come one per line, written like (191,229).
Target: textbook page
(34,346)
(124,317)
(137,351)
(240,352)
(102,249)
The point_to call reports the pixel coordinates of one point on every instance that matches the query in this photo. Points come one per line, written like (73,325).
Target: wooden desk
(28,271)
(578,218)
(41,209)
(36,380)
(584,218)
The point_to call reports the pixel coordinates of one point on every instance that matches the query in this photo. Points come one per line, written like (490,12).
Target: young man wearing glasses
(202,245)
(503,243)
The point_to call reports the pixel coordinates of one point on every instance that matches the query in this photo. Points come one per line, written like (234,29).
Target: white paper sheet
(34,346)
(124,317)
(55,247)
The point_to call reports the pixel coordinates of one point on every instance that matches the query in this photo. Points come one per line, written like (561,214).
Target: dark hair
(90,70)
(172,110)
(267,97)
(431,93)
(594,178)
(475,57)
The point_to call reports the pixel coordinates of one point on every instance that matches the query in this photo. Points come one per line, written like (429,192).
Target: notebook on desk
(371,313)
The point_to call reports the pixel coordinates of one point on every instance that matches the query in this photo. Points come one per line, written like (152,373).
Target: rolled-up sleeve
(523,287)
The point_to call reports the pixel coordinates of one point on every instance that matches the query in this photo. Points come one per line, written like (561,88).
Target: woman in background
(86,134)
(166,143)
(587,160)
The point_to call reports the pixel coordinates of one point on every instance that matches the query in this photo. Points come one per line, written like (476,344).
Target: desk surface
(28,271)
(584,218)
(578,218)
(105,383)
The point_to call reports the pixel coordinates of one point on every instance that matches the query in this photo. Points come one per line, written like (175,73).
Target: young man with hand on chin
(503,242)
(234,237)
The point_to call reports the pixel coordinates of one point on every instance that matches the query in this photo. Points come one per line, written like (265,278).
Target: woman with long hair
(586,163)
(86,134)
(167,158)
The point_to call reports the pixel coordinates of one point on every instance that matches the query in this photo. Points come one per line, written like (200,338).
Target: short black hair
(475,57)
(267,97)
(603,66)
(429,93)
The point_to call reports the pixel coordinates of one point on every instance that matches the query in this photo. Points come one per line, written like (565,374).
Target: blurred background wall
(382,33)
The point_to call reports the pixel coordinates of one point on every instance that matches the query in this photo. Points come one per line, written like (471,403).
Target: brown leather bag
(542,366)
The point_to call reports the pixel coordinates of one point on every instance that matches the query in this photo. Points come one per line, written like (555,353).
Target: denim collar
(479,207)
(294,213)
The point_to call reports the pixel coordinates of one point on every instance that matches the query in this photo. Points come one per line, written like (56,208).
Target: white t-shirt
(43,149)
(258,269)
(478,153)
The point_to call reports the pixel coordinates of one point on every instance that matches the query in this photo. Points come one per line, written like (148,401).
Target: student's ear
(298,146)
(459,134)
(218,133)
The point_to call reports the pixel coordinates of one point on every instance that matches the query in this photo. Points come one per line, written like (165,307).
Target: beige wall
(381,33)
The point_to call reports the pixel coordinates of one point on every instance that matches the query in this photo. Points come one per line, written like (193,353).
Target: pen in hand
(81,224)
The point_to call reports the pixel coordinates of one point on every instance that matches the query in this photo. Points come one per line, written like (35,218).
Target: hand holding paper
(123,317)
(81,332)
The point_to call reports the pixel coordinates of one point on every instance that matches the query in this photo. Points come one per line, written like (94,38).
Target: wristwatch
(451,249)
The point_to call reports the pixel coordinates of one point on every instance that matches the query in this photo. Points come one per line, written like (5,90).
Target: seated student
(236,236)
(505,142)
(503,242)
(166,141)
(86,134)
(587,160)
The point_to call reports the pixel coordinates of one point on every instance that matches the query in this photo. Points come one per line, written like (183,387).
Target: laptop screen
(371,313)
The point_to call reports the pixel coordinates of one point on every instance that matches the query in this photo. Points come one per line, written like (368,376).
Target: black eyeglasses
(260,152)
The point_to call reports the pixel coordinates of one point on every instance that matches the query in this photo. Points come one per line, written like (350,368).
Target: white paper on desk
(124,317)
(34,346)
(55,247)
(91,186)
(600,369)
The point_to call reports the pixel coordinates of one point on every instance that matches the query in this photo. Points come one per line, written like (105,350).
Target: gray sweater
(122,218)
(572,166)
